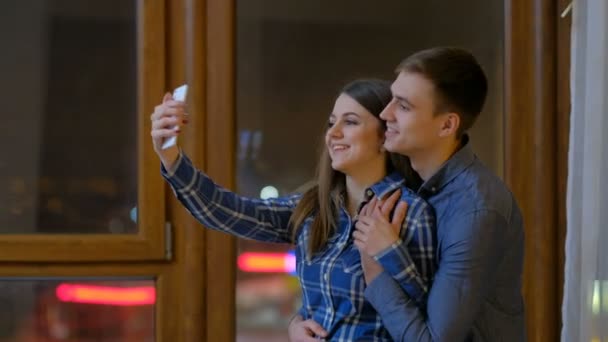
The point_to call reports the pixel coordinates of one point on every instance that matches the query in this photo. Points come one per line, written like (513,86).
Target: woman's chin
(339,167)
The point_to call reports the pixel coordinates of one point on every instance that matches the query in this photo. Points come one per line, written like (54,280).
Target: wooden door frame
(537,111)
(180,277)
(536,139)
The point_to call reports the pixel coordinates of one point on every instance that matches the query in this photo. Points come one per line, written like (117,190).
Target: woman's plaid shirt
(331,280)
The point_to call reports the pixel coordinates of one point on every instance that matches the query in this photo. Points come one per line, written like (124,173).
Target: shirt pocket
(351,261)
(320,256)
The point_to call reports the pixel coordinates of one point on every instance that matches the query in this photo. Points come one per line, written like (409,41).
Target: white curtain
(585,305)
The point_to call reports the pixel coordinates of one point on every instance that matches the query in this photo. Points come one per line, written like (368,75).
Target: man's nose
(387,112)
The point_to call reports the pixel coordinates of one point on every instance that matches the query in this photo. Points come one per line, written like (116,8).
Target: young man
(476,293)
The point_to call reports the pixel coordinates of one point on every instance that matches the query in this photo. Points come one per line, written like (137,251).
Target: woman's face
(354,138)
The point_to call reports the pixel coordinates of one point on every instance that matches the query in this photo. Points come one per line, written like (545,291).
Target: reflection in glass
(68,142)
(292,58)
(77,310)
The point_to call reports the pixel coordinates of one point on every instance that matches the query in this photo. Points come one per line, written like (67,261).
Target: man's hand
(300,330)
(374,232)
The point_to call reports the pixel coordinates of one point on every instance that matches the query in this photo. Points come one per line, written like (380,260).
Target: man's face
(411,124)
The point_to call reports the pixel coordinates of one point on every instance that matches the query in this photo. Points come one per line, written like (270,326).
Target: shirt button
(325,276)
(433,189)
(369,193)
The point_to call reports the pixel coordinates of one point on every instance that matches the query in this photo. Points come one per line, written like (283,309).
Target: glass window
(68,148)
(83,310)
(292,59)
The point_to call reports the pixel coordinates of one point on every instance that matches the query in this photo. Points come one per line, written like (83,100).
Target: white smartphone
(179,94)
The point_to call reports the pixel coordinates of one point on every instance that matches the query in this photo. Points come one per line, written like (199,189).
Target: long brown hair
(322,201)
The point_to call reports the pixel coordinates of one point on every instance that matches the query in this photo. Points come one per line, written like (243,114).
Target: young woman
(354,167)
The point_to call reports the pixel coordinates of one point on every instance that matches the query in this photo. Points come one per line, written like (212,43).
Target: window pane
(68,147)
(74,310)
(292,58)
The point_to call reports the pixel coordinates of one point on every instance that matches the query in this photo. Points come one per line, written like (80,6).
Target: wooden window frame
(150,242)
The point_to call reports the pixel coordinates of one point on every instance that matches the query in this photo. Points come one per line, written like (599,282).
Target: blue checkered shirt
(332,279)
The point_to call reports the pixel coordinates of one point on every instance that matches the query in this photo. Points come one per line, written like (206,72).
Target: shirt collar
(459,162)
(387,185)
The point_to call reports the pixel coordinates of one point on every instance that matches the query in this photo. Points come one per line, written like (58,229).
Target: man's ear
(449,125)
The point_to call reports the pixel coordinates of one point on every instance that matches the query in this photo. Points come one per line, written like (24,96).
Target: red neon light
(106,295)
(267,262)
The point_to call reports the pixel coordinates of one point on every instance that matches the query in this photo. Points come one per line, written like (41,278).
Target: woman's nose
(334,130)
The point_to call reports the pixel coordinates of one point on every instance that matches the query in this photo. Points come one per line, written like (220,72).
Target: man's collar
(457,163)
